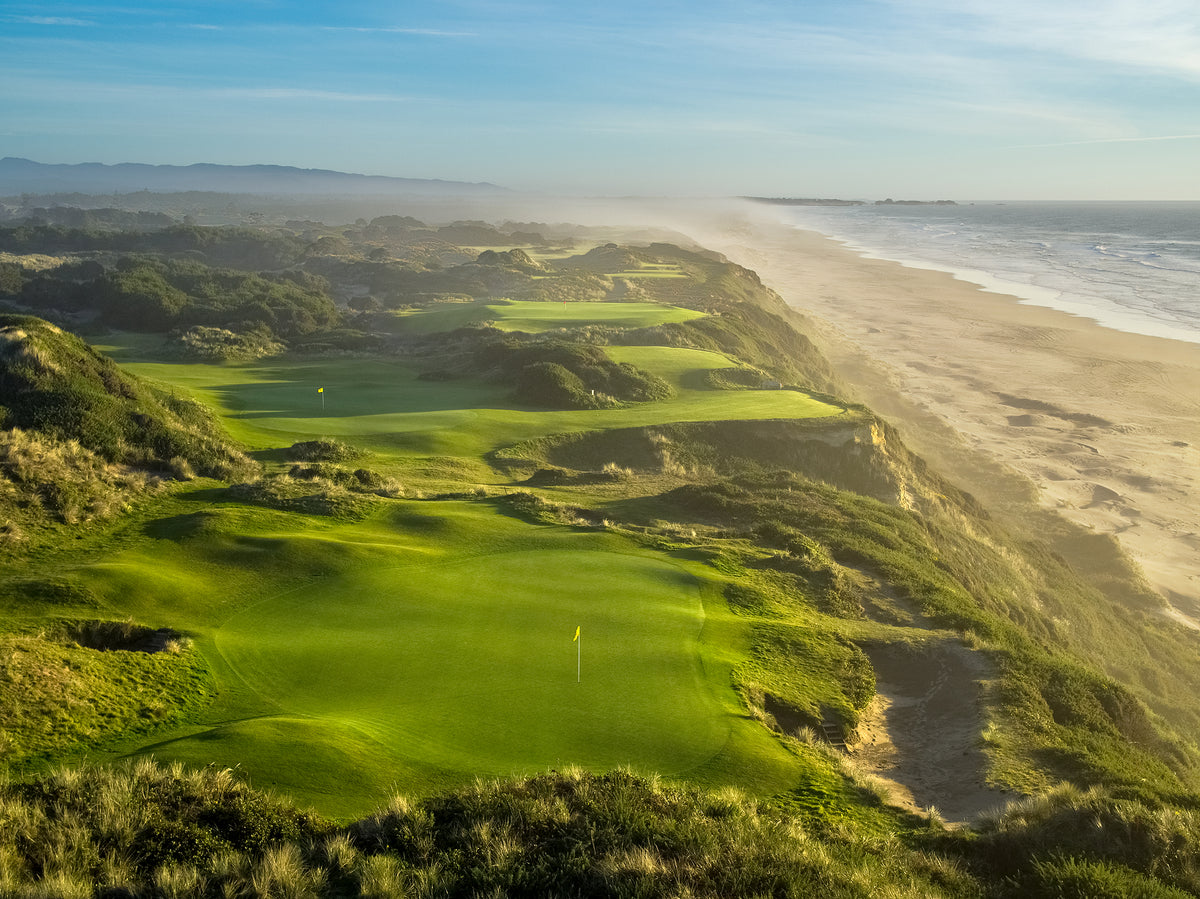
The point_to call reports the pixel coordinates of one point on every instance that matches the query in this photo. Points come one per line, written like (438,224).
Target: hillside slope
(786,559)
(80,436)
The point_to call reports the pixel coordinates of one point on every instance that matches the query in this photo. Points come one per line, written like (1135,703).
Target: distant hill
(20,176)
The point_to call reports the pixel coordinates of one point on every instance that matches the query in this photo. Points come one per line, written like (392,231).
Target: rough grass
(147,830)
(44,480)
(56,384)
(57,695)
(143,829)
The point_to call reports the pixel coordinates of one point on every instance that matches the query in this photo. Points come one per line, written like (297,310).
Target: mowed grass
(652,270)
(383,405)
(531,317)
(432,644)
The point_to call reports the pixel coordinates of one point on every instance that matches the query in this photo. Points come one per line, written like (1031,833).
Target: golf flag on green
(320,390)
(576,635)
(578,655)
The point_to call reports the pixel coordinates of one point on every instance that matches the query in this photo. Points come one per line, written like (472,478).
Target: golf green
(472,665)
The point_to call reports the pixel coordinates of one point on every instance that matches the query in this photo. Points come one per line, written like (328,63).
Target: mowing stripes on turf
(460,665)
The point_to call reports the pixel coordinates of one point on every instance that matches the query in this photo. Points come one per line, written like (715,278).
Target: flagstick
(579,660)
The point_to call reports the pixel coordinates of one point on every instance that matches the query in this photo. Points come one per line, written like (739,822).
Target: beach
(1013,402)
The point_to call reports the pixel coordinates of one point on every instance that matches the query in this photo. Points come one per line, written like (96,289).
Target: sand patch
(922,734)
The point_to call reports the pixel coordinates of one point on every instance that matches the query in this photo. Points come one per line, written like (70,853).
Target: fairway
(535,317)
(385,406)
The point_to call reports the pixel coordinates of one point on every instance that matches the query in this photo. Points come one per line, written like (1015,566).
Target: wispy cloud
(1160,35)
(424,32)
(51,20)
(292,93)
(70,89)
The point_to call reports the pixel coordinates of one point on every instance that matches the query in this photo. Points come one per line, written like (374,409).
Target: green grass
(430,643)
(384,406)
(659,270)
(433,643)
(532,317)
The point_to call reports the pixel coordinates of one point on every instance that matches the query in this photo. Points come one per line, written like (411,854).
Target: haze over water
(1130,266)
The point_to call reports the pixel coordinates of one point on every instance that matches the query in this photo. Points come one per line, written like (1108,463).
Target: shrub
(550,384)
(325,449)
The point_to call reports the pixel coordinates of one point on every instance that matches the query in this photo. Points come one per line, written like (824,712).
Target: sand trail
(922,734)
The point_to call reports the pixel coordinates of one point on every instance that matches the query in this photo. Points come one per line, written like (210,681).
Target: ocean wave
(1087,259)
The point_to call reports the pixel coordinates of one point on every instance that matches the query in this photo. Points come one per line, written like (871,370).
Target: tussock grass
(222,345)
(44,480)
(53,383)
(147,829)
(319,489)
(324,449)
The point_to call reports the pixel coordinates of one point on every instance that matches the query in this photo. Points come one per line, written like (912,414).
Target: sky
(863,99)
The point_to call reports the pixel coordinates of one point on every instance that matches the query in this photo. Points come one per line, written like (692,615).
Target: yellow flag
(576,634)
(320,390)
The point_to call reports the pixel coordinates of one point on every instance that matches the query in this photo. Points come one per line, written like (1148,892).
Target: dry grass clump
(324,449)
(319,489)
(36,262)
(47,480)
(222,345)
(140,829)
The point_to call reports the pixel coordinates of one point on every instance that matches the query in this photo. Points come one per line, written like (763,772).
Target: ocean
(1129,266)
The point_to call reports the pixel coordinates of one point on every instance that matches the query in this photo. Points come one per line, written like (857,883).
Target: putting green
(468,667)
(473,662)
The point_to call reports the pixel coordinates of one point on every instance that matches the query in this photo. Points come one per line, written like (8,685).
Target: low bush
(325,449)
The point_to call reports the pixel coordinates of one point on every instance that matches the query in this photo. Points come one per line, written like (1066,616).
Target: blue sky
(966,99)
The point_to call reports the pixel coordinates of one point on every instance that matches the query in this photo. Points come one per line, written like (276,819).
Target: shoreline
(1097,307)
(1113,318)
(1000,394)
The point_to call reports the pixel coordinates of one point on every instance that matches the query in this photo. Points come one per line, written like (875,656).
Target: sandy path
(1105,424)
(921,734)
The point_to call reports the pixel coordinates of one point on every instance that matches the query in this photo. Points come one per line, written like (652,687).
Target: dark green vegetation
(468,441)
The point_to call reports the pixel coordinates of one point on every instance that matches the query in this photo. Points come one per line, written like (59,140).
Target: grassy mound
(53,383)
(222,345)
(570,375)
(75,685)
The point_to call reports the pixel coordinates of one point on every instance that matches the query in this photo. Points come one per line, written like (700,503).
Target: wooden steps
(833,735)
